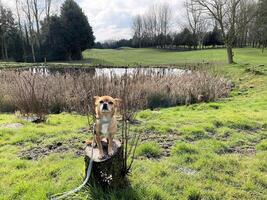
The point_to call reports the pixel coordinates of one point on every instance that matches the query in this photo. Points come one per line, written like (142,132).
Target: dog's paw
(88,142)
(101,156)
(110,152)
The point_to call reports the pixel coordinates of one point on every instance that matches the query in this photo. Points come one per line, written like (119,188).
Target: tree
(185,38)
(196,22)
(262,23)
(245,16)
(10,42)
(165,16)
(213,38)
(78,34)
(225,13)
(153,27)
(53,44)
(137,30)
(20,30)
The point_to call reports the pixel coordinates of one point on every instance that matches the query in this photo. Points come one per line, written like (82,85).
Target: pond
(95,71)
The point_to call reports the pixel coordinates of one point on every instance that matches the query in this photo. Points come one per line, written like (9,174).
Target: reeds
(39,94)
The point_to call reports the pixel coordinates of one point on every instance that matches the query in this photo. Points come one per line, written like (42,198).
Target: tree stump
(108,172)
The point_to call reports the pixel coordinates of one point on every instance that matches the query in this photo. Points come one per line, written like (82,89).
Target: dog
(106,122)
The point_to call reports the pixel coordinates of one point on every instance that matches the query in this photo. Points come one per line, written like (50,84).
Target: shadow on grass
(124,193)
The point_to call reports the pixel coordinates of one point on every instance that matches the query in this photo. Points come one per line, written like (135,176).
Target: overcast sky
(111,19)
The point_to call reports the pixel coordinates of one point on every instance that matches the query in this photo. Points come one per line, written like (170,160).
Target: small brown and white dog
(106,122)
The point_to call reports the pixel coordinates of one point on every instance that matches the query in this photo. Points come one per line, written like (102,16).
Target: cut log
(107,172)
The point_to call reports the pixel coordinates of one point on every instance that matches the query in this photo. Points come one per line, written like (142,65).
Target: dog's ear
(96,98)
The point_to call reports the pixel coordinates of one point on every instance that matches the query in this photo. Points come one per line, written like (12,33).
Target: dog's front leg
(99,145)
(110,145)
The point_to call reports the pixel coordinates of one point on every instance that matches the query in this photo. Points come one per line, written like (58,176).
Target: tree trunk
(33,52)
(230,54)
(5,45)
(108,172)
(2,48)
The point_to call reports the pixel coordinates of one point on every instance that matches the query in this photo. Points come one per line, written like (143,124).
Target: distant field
(149,56)
(156,56)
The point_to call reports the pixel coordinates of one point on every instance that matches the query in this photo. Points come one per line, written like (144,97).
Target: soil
(72,145)
(165,141)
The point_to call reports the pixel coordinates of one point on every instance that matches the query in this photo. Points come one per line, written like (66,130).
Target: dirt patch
(12,125)
(165,141)
(248,150)
(74,145)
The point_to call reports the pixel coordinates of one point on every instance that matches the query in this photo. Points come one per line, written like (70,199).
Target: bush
(159,99)
(149,149)
(6,105)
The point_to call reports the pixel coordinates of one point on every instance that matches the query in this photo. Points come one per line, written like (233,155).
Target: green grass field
(158,56)
(148,56)
(218,150)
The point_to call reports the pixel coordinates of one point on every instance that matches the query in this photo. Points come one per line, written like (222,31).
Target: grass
(149,149)
(149,56)
(220,152)
(29,179)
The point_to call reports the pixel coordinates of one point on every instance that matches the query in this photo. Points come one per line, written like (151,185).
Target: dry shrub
(40,94)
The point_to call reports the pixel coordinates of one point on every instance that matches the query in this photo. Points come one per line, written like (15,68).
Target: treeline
(154,27)
(38,34)
(235,23)
(183,40)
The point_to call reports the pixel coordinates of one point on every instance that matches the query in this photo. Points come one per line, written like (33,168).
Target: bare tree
(154,25)
(137,29)
(225,13)
(165,16)
(20,27)
(152,22)
(27,11)
(245,17)
(37,11)
(48,8)
(195,19)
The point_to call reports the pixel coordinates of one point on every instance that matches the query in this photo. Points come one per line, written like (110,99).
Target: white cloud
(111,19)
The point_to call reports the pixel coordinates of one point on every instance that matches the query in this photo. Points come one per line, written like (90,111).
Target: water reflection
(104,71)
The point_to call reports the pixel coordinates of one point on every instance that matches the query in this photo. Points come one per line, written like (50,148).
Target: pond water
(104,71)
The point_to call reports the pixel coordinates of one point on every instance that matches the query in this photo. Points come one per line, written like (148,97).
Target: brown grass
(35,93)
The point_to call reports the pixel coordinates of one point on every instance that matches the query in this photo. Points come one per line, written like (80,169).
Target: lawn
(149,56)
(214,150)
(157,56)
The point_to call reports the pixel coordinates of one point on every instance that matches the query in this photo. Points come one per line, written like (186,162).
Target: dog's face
(106,105)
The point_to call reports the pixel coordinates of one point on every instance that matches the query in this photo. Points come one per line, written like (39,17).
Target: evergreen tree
(10,42)
(187,38)
(262,23)
(78,34)
(53,43)
(213,38)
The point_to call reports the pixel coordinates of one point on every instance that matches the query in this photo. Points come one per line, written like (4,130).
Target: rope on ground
(88,173)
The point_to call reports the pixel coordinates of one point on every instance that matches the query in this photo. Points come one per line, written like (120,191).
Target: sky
(112,19)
